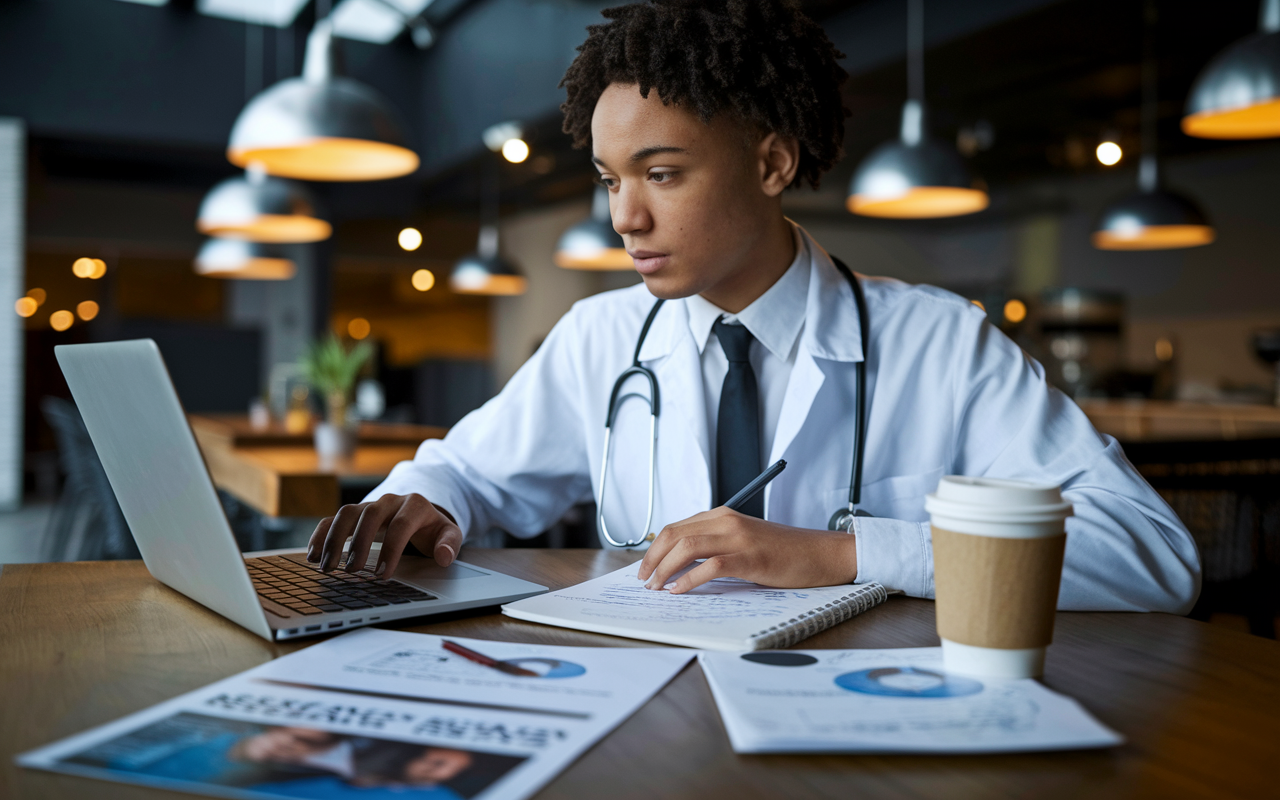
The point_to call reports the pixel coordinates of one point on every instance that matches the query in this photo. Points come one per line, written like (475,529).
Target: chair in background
(1228,495)
(86,523)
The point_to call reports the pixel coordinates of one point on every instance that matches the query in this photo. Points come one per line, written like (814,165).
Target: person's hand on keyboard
(409,518)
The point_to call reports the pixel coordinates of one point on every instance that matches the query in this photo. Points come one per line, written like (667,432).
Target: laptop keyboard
(307,591)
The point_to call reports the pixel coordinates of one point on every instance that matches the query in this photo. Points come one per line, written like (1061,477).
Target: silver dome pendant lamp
(322,126)
(1151,218)
(593,244)
(1237,95)
(914,177)
(486,271)
(259,208)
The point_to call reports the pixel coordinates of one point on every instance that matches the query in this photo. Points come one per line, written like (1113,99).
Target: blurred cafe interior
(324,309)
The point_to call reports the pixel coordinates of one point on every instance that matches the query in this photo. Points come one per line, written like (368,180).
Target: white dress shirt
(775,319)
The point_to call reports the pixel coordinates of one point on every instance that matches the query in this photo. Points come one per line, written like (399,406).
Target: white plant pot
(333,441)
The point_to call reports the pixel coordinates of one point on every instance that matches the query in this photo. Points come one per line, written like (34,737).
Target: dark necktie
(738,421)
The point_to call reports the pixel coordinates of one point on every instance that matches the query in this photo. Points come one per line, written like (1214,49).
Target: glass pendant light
(914,177)
(1237,96)
(260,208)
(1151,218)
(236,258)
(322,126)
(593,243)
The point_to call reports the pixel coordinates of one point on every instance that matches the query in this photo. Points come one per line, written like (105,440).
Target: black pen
(751,489)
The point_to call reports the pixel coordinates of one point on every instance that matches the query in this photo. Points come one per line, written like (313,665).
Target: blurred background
(348,223)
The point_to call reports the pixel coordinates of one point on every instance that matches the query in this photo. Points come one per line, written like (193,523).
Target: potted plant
(331,369)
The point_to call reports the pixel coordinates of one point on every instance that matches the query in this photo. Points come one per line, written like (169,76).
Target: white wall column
(13,167)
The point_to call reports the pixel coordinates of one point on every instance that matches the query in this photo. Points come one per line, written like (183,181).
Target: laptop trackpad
(418,568)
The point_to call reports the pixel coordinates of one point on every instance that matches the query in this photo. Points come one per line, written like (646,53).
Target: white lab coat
(947,394)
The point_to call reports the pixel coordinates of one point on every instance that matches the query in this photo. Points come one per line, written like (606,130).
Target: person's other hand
(406,518)
(738,546)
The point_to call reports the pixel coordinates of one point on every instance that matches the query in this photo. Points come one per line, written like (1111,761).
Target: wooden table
(279,473)
(86,643)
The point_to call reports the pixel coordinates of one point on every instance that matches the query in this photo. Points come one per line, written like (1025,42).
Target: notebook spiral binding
(819,619)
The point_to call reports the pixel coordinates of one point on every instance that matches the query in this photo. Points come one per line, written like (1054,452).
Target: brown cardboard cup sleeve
(994,591)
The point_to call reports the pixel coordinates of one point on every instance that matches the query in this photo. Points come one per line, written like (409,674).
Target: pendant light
(593,243)
(236,258)
(259,208)
(486,271)
(322,126)
(1151,218)
(914,177)
(1237,96)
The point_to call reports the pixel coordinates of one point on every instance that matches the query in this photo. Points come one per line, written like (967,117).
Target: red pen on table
(486,661)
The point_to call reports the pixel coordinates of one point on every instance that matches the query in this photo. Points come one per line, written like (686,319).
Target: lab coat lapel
(830,332)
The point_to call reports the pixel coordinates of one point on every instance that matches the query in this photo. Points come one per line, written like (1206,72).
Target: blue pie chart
(548,667)
(907,682)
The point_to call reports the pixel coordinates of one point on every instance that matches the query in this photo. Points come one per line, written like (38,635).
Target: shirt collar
(775,318)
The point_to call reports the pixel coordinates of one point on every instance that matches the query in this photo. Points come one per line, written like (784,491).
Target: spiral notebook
(724,614)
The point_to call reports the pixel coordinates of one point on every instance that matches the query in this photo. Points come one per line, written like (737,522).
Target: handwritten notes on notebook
(724,614)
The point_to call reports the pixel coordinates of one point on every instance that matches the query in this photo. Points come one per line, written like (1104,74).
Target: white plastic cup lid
(995,499)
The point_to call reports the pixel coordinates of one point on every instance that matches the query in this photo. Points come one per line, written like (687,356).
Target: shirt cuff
(896,554)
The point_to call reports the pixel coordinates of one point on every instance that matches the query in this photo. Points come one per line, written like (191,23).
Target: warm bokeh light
(99,269)
(1015,311)
(979,304)
(61,320)
(481,283)
(87,310)
(1155,237)
(358,328)
(274,228)
(922,202)
(38,295)
(1109,153)
(25,306)
(330,159)
(515,150)
(83,267)
(605,258)
(423,280)
(410,239)
(1257,121)
(1164,350)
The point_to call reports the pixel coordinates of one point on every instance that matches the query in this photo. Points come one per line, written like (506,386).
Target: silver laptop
(158,475)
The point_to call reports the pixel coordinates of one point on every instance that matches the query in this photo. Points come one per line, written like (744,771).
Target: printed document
(378,714)
(887,701)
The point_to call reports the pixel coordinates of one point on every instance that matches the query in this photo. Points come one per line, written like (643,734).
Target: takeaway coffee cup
(997,563)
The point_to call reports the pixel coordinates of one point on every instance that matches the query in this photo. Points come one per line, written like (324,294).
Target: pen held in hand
(486,661)
(752,489)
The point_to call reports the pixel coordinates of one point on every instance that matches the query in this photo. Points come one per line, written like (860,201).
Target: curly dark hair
(764,61)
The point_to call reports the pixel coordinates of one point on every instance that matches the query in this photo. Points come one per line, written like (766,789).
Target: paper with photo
(292,728)
(887,701)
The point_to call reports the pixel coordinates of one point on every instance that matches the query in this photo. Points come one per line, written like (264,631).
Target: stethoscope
(841,520)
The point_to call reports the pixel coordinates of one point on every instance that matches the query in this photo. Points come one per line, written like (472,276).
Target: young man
(699,115)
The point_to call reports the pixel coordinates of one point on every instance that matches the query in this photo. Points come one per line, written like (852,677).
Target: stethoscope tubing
(840,520)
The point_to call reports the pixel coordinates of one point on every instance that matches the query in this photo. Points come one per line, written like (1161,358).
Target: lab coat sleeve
(519,461)
(1126,549)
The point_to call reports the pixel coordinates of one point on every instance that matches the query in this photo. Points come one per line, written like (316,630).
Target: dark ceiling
(1048,83)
